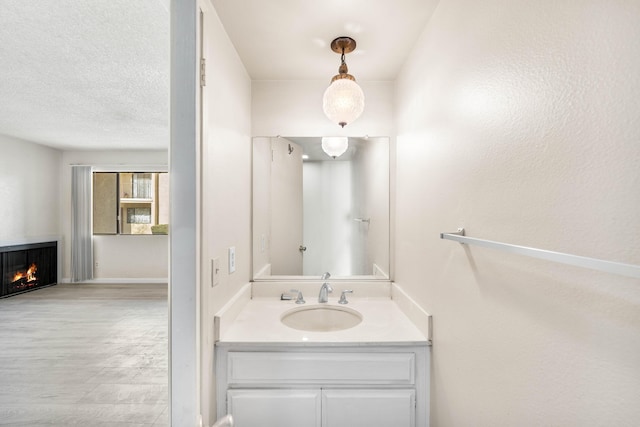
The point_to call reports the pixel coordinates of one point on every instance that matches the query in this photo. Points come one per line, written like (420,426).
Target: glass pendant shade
(335,146)
(343,101)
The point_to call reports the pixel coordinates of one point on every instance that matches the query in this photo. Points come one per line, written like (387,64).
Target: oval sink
(319,318)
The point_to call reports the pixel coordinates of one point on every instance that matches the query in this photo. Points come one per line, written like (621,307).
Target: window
(138,215)
(141,186)
(130,202)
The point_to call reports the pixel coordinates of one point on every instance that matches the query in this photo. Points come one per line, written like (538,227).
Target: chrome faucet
(325,276)
(325,290)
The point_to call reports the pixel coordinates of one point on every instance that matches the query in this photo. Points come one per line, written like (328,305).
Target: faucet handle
(300,298)
(343,296)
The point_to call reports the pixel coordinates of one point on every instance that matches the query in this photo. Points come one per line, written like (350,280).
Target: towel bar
(619,268)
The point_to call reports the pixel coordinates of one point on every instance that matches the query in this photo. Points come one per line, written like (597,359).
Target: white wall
(29,190)
(294,108)
(131,258)
(519,121)
(117,259)
(226,187)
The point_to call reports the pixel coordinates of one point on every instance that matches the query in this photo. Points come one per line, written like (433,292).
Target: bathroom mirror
(313,213)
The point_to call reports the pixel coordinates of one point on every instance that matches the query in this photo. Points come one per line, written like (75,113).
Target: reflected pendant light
(335,146)
(343,101)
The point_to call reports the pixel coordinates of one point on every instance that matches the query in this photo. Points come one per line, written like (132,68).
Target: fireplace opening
(27,267)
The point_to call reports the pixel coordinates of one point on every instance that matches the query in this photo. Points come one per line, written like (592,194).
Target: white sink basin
(321,318)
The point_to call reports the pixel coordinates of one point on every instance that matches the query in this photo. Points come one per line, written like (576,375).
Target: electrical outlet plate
(232,259)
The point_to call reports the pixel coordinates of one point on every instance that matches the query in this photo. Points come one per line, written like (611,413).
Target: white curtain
(81,232)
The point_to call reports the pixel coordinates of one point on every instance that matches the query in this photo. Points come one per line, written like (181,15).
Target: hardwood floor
(85,354)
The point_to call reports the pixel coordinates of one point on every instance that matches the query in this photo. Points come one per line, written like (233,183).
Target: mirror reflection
(319,206)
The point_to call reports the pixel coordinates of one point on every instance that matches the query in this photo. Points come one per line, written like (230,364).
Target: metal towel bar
(619,268)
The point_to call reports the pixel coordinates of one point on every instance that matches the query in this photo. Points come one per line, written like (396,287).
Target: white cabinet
(322,407)
(370,408)
(332,386)
(275,408)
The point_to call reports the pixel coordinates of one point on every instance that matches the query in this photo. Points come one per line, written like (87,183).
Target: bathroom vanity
(375,373)
(322,363)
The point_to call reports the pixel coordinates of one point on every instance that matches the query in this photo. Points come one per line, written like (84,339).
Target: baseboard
(107,280)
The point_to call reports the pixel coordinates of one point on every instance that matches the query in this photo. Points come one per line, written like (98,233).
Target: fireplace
(27,267)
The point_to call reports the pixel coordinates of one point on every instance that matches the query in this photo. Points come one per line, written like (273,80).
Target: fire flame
(30,274)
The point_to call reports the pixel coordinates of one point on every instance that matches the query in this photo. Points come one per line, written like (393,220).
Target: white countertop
(383,322)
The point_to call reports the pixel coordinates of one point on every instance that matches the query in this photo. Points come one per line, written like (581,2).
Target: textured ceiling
(85,74)
(94,74)
(289,39)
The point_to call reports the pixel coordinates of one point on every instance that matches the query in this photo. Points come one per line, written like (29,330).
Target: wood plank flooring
(85,354)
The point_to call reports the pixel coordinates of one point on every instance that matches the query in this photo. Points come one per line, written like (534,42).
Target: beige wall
(519,121)
(226,184)
(294,108)
(131,258)
(29,190)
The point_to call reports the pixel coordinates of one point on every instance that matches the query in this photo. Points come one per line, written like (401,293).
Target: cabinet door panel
(368,408)
(257,368)
(274,408)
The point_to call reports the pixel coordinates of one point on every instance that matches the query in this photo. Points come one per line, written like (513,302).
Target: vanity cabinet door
(368,408)
(274,408)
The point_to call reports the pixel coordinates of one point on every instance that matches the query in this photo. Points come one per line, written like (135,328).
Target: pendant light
(343,101)
(335,146)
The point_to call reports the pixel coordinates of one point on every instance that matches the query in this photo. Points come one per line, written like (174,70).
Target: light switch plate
(232,259)
(215,272)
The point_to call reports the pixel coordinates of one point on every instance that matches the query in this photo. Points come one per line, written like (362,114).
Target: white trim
(30,240)
(420,318)
(184,253)
(227,314)
(127,168)
(132,281)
